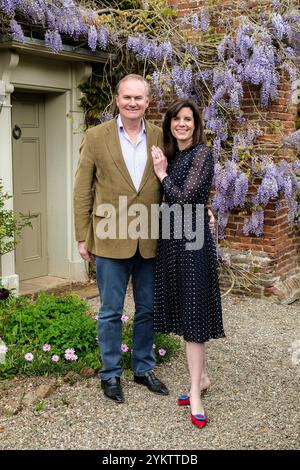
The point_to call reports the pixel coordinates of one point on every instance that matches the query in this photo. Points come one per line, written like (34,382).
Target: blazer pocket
(102,212)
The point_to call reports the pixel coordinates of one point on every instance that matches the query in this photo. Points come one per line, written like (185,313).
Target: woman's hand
(211,219)
(160,163)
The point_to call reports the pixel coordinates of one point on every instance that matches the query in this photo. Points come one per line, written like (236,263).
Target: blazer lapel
(150,141)
(114,148)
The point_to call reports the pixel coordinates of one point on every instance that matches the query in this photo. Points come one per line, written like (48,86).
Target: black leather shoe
(152,382)
(112,389)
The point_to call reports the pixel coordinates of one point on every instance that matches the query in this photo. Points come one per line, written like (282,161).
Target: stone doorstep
(84,290)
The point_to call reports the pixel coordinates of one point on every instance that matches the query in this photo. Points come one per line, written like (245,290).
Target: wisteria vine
(190,57)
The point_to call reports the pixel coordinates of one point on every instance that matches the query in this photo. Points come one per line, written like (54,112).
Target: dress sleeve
(198,178)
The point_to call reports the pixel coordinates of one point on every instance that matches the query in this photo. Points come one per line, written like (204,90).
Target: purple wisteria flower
(217,149)
(195,22)
(280,26)
(204,20)
(276,4)
(16,31)
(167,50)
(103,37)
(193,50)
(260,69)
(7,6)
(34,10)
(268,188)
(293,210)
(182,81)
(68,4)
(245,138)
(293,140)
(146,49)
(290,52)
(53,40)
(240,190)
(92,38)
(254,224)
(226,48)
(243,42)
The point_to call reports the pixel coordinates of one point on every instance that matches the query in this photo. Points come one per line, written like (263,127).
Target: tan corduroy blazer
(102,177)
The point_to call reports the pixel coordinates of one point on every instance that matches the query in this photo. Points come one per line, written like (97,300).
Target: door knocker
(17,132)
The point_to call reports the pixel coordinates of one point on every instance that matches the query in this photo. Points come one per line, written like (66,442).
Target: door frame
(58,78)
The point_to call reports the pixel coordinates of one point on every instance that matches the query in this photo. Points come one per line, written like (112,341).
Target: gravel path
(253,402)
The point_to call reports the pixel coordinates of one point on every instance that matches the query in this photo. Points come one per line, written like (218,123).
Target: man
(116,161)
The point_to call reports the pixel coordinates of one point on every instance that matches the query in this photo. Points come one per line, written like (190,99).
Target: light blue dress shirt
(135,155)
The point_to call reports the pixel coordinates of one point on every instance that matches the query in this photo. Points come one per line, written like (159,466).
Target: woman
(187,296)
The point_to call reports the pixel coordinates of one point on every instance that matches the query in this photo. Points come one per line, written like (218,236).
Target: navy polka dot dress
(187,297)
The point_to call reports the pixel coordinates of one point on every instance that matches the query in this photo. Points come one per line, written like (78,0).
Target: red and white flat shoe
(183,400)
(199,419)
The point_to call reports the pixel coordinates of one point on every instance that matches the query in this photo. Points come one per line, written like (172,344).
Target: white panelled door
(29,176)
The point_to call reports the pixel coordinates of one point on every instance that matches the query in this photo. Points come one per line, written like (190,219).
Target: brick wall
(275,256)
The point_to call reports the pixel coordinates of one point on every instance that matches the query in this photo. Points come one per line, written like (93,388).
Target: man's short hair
(134,76)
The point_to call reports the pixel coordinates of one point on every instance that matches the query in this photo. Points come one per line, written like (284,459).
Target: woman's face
(182,127)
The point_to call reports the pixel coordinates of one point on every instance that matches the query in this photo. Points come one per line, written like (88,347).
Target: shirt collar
(121,127)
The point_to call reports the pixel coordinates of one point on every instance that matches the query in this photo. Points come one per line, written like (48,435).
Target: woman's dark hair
(170,143)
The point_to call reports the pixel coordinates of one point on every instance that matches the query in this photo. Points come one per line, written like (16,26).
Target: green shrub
(63,323)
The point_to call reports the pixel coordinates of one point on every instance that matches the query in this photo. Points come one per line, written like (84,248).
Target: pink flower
(124,347)
(124,318)
(46,347)
(70,351)
(96,317)
(162,352)
(55,358)
(3,349)
(70,355)
(28,357)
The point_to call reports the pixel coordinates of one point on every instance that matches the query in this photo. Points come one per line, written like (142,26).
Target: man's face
(132,100)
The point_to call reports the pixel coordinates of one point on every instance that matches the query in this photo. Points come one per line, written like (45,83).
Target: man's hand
(84,253)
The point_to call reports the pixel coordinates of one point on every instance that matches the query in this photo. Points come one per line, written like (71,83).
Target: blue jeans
(112,279)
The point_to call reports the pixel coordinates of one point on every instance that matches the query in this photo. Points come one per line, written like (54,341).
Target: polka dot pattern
(187,297)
